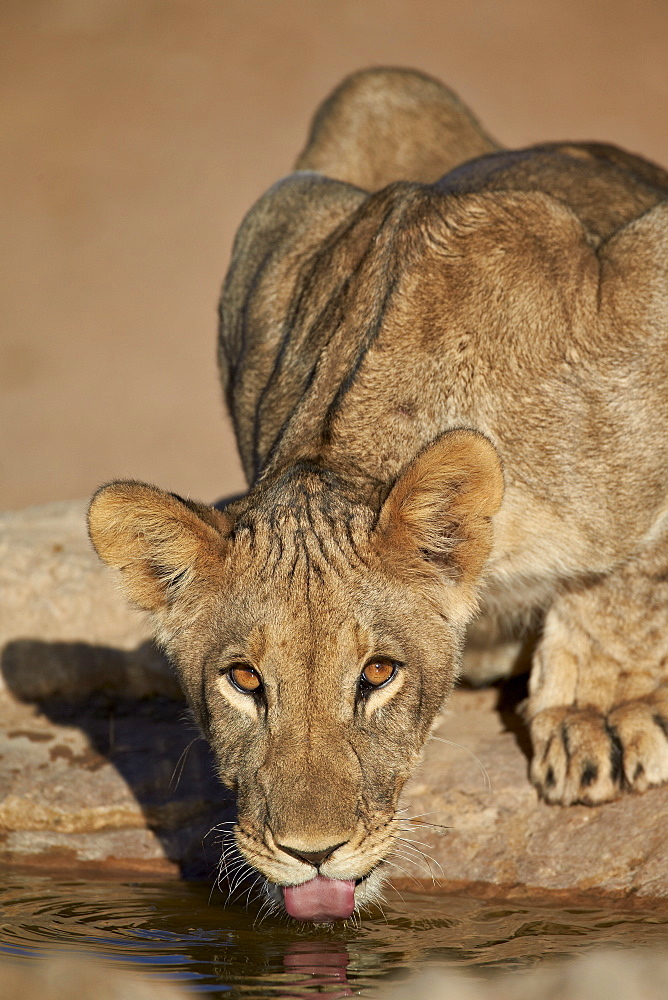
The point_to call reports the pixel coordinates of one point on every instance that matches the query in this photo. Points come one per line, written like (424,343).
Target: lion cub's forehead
(300,532)
(328,643)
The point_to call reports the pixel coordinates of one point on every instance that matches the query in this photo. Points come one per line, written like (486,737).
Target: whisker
(233,871)
(429,861)
(425,862)
(238,879)
(389,861)
(217,826)
(394,889)
(418,816)
(258,887)
(413,861)
(250,889)
(180,765)
(414,850)
(269,907)
(232,866)
(232,876)
(417,819)
(483,769)
(413,843)
(421,823)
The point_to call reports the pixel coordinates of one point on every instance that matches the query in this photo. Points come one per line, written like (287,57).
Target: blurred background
(135,135)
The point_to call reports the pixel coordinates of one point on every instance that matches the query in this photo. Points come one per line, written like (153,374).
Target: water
(175,931)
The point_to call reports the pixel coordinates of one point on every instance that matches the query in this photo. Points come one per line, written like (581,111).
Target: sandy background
(136,133)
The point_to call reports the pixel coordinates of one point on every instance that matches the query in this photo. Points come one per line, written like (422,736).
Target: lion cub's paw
(581,755)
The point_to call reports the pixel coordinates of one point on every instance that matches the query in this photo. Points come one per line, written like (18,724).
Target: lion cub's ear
(440,507)
(156,539)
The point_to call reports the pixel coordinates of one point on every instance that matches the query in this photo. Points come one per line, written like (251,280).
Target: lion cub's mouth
(321,899)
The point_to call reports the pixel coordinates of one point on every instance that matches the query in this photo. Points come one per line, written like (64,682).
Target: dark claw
(616,755)
(565,742)
(589,774)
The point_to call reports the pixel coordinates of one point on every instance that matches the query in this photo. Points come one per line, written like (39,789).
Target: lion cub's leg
(598,703)
(496,648)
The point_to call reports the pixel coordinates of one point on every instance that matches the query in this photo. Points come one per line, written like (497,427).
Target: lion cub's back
(604,185)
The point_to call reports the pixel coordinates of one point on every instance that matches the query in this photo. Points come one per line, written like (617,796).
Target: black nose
(312,857)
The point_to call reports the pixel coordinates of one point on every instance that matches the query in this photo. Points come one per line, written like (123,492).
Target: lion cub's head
(315,639)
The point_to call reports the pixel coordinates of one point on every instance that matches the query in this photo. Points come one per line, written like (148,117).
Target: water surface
(185,933)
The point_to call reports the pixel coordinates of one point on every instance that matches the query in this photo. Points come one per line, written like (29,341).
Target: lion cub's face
(315,640)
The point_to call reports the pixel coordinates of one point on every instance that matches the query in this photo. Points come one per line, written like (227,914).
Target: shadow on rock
(119,753)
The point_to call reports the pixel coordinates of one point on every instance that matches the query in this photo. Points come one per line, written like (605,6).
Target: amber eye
(245,678)
(377,673)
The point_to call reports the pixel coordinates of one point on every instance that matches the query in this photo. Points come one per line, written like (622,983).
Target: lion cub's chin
(324,901)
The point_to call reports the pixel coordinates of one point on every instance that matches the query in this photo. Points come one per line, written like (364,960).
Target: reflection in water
(318,965)
(172,932)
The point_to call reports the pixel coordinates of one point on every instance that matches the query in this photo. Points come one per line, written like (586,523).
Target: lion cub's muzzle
(317,885)
(309,830)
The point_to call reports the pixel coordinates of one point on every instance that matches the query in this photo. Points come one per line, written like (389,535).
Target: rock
(92,718)
(603,975)
(128,787)
(92,733)
(499,838)
(62,976)
(65,629)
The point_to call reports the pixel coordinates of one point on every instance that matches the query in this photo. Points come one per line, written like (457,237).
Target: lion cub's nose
(311,857)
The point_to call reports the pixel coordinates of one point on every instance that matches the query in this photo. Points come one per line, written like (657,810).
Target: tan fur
(384,336)
(392,109)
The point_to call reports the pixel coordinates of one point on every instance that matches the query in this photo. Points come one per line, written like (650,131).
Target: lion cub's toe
(577,757)
(582,755)
(642,727)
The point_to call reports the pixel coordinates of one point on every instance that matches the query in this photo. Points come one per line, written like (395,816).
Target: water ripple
(172,932)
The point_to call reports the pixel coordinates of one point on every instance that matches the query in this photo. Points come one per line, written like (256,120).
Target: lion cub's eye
(376,674)
(245,678)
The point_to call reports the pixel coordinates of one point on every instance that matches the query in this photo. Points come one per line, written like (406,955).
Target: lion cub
(446,365)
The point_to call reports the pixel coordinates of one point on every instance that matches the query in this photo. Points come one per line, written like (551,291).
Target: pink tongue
(321,899)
